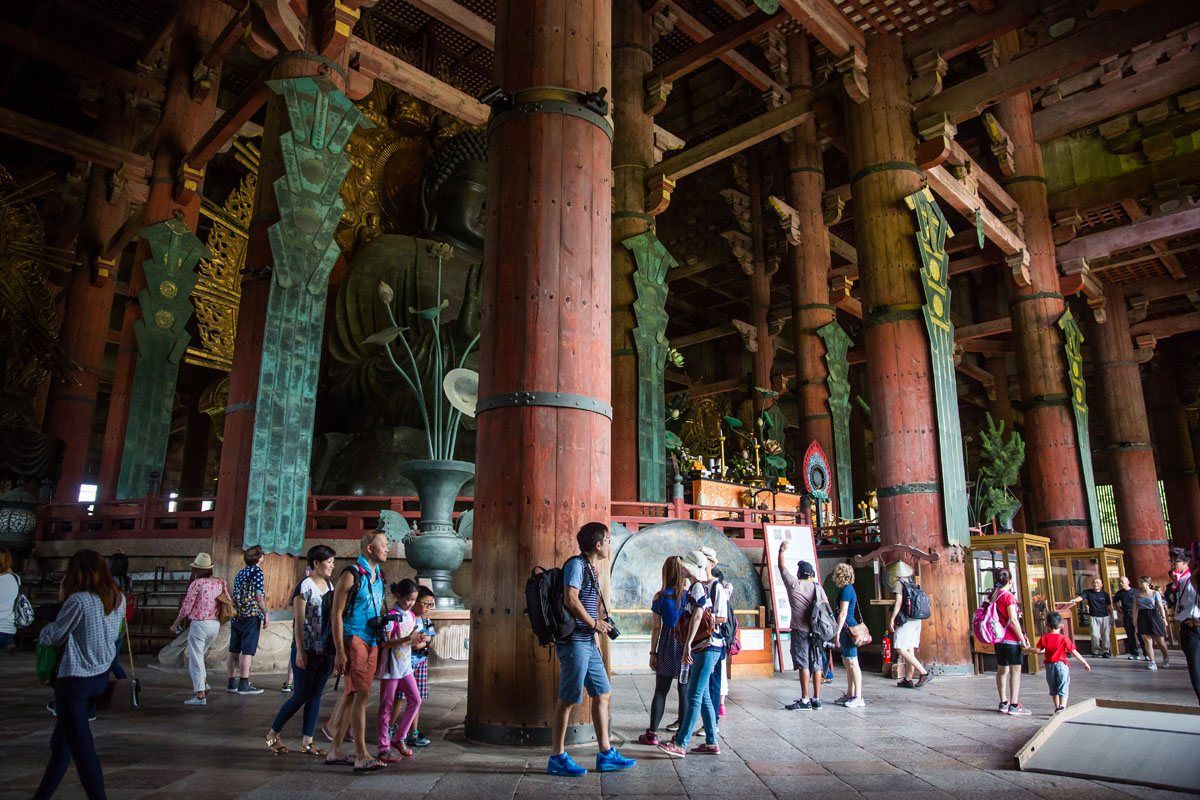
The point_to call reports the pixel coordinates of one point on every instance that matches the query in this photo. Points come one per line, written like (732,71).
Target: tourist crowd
(346,627)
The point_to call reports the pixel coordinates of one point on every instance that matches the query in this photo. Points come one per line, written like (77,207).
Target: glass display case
(1072,571)
(1027,556)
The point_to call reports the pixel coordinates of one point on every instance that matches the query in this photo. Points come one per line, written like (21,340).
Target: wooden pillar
(184,121)
(632,153)
(546,328)
(763,358)
(1135,482)
(1173,444)
(71,403)
(882,153)
(1051,450)
(811,309)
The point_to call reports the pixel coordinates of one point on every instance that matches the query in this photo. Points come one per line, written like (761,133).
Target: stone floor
(944,741)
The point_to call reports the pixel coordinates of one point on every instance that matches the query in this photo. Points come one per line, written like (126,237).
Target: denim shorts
(243,635)
(849,648)
(580,667)
(1058,678)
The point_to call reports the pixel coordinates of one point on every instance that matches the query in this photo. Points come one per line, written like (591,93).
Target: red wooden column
(543,466)
(882,153)
(811,309)
(1135,481)
(71,403)
(184,121)
(1051,453)
(1173,443)
(632,153)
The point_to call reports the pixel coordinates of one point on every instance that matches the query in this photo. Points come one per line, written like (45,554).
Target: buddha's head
(453,191)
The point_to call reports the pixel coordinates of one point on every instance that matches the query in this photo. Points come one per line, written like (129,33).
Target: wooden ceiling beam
(1110,99)
(825,23)
(988,186)
(987,347)
(459,18)
(1135,183)
(735,140)
(1136,234)
(1135,211)
(133,166)
(1166,326)
(959,34)
(1162,288)
(697,31)
(980,330)
(719,332)
(378,64)
(958,197)
(708,50)
(88,67)
(1113,34)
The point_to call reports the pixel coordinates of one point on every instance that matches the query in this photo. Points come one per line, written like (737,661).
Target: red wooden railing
(349,516)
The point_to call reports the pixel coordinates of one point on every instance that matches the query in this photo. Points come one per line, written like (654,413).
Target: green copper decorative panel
(315,164)
(837,345)
(650,338)
(1073,345)
(162,339)
(932,230)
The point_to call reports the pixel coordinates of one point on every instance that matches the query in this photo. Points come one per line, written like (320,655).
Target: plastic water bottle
(685,672)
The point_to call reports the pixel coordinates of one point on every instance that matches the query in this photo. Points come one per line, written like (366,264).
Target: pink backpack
(986,625)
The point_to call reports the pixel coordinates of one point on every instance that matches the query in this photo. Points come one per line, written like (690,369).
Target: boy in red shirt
(1054,647)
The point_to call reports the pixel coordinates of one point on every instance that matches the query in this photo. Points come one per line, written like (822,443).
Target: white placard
(752,638)
(801,547)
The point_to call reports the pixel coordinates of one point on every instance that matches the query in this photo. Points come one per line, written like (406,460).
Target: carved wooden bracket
(749,335)
(775,324)
(1077,278)
(1139,306)
(741,247)
(937,134)
(853,69)
(1002,146)
(840,290)
(832,208)
(1018,267)
(665,141)
(740,166)
(658,194)
(989,53)
(790,219)
(1015,222)
(957,356)
(739,204)
(663,21)
(103,270)
(187,183)
(657,92)
(1144,345)
(1066,226)
(775,52)
(929,69)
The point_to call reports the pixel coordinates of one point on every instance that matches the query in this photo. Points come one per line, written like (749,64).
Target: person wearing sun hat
(200,609)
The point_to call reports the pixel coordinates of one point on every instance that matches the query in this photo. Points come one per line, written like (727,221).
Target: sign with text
(802,546)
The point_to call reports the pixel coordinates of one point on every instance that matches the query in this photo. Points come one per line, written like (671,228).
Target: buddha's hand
(469,312)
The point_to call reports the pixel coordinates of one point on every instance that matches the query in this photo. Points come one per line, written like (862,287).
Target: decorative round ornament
(816,471)
(168,289)
(164,319)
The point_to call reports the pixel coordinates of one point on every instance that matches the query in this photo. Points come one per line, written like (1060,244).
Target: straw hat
(202,561)
(899,569)
(696,564)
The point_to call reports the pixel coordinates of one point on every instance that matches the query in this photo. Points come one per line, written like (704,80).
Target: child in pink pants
(395,671)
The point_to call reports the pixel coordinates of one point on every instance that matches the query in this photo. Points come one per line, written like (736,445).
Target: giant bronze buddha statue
(382,421)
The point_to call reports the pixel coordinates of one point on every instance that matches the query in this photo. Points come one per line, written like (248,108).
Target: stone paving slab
(945,742)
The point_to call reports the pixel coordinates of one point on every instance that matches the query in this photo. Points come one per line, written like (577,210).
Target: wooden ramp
(1152,744)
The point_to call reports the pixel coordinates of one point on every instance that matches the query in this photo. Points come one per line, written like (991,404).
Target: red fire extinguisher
(886,646)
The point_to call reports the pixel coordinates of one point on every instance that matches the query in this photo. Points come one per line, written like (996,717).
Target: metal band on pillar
(578,402)
(588,106)
(908,488)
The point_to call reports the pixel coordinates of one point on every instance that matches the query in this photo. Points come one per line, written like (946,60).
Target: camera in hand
(612,631)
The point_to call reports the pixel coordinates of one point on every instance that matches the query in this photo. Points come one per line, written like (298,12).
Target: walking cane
(135,686)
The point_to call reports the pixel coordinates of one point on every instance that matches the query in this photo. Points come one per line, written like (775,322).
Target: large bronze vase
(436,549)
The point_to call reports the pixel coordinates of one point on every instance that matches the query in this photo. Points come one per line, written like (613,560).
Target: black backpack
(352,598)
(916,603)
(548,616)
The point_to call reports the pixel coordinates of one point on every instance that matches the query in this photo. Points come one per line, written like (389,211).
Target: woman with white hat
(200,609)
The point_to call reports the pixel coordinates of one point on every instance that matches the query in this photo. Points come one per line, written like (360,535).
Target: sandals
(311,749)
(388,757)
(276,745)
(370,765)
(339,762)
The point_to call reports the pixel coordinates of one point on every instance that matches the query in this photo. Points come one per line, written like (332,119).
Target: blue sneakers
(612,760)
(564,765)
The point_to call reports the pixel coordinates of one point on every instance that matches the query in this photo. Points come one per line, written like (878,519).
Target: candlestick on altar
(721,435)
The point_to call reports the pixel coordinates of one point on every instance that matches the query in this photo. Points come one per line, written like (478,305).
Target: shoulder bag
(225,611)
